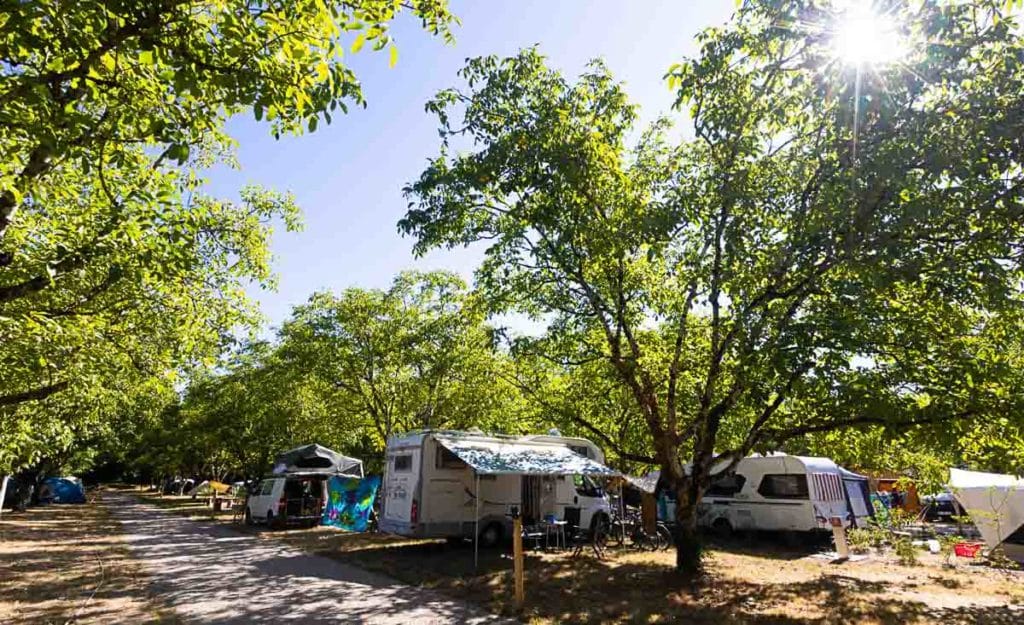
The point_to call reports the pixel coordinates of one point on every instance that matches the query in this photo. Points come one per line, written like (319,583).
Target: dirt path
(63,564)
(211,574)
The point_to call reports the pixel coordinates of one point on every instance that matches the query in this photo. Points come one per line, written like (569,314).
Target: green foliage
(947,543)
(862,540)
(777,276)
(906,552)
(347,371)
(116,270)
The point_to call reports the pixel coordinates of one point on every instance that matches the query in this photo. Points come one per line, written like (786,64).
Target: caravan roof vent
(554,432)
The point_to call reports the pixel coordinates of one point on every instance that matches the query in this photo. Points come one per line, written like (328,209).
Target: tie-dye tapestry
(349,501)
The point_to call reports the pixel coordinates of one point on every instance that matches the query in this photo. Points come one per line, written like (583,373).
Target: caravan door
(401,510)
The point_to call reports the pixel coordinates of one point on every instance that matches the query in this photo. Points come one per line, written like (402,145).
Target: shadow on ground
(214,573)
(62,564)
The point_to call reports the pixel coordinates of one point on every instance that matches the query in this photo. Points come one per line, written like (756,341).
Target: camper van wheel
(271,522)
(248,516)
(490,536)
(722,528)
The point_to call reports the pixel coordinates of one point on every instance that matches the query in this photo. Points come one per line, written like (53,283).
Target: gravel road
(212,574)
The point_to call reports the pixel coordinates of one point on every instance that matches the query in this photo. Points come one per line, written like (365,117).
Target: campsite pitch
(748,582)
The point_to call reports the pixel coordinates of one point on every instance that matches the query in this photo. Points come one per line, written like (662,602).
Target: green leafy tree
(804,278)
(112,258)
(417,355)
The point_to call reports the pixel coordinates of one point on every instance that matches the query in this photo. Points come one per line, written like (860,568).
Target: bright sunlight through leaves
(864,37)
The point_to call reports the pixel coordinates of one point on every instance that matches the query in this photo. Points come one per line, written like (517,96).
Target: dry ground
(61,564)
(745,584)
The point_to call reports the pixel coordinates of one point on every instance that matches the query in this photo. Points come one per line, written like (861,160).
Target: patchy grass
(748,584)
(760,583)
(63,564)
(197,509)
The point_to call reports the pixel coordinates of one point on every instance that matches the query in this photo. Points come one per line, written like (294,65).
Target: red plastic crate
(967,550)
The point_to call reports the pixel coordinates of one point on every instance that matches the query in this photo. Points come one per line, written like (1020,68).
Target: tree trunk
(689,550)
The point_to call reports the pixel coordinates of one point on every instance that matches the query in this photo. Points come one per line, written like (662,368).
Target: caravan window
(403,463)
(580,449)
(784,487)
(726,485)
(267,488)
(448,460)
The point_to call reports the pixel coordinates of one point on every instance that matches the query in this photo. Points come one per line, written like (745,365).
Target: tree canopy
(833,248)
(116,269)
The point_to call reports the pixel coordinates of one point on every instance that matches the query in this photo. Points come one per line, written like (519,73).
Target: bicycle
(631,529)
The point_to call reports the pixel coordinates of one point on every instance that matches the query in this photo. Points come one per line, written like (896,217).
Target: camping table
(558,529)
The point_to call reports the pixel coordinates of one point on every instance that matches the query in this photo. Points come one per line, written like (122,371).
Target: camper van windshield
(585,487)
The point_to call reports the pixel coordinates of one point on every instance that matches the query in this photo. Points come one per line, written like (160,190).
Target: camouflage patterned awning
(507,458)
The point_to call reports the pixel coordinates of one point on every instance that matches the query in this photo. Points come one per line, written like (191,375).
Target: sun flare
(864,37)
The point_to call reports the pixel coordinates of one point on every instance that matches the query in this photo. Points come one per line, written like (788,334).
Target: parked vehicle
(432,477)
(287,499)
(942,507)
(297,490)
(779,493)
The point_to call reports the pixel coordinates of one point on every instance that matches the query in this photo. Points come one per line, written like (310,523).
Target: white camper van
(451,484)
(296,491)
(780,493)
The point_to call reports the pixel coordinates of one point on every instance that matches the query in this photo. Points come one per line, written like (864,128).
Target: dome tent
(62,490)
(316,458)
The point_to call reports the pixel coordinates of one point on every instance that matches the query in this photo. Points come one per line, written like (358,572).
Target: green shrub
(905,550)
(861,540)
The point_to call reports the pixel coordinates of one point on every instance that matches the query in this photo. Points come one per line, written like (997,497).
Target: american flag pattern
(828,487)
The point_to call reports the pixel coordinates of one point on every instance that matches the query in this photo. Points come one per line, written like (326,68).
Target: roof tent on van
(318,459)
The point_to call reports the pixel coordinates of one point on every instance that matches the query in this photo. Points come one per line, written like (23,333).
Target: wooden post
(839,533)
(517,560)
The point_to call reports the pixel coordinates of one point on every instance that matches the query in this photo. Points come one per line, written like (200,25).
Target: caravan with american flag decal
(782,493)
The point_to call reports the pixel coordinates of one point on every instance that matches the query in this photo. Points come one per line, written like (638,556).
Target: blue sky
(348,176)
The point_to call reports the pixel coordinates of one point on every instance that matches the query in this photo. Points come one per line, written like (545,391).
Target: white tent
(995,503)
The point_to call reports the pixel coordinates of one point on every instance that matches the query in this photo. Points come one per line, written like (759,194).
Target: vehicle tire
(722,529)
(248,516)
(491,535)
(271,521)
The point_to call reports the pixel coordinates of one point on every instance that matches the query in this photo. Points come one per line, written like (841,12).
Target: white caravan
(432,477)
(781,493)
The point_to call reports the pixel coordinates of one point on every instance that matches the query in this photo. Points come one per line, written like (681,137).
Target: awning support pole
(622,512)
(476,524)
(3,492)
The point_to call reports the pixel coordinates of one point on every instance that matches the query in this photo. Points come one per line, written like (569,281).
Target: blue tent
(62,490)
